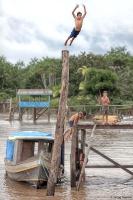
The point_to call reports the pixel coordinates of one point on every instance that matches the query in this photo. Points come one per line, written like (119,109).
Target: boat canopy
(31,135)
(25,135)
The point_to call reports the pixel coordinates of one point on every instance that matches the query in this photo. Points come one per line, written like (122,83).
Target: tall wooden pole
(56,156)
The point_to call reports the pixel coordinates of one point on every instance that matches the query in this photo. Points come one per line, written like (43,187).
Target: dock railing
(91,110)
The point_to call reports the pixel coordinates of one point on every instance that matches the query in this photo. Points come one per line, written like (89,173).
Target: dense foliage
(90,74)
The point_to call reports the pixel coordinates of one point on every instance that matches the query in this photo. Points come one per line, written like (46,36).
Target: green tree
(98,80)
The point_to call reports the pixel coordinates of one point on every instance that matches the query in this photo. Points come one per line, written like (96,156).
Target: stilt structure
(56,156)
(80,129)
(86,156)
(38,101)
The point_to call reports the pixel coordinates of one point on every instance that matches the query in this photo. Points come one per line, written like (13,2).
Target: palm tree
(84,71)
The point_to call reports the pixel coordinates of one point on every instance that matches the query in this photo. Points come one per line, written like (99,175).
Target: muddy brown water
(100,184)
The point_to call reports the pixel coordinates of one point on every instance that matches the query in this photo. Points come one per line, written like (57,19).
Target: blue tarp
(32,104)
(32,134)
(9,150)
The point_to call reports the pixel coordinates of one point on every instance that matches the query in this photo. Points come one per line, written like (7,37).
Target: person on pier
(78,24)
(72,122)
(76,117)
(105,106)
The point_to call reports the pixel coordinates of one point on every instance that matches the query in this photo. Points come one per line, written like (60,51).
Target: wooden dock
(82,139)
(119,125)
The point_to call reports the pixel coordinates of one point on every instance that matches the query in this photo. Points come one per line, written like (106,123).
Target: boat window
(50,147)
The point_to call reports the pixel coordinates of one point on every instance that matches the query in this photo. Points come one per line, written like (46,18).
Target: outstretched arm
(74,11)
(84,11)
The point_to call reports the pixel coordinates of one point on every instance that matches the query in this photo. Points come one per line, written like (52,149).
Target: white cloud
(35,28)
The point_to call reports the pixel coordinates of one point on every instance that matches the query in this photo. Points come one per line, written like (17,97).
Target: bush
(54,102)
(81,100)
(4,96)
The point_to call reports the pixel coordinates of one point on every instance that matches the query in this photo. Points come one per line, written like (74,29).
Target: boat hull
(33,172)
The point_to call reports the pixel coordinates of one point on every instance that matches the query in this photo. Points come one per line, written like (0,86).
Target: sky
(38,28)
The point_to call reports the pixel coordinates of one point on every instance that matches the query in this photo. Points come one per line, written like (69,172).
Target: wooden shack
(36,99)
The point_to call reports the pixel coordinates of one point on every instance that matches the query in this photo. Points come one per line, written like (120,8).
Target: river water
(100,184)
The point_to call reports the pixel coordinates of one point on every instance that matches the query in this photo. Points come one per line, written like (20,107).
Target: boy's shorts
(70,123)
(105,110)
(74,33)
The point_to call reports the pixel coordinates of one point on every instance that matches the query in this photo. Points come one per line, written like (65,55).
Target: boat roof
(31,135)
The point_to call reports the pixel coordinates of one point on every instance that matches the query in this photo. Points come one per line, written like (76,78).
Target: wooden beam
(41,112)
(100,126)
(111,160)
(56,156)
(108,166)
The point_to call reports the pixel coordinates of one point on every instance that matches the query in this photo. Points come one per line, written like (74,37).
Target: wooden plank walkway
(119,125)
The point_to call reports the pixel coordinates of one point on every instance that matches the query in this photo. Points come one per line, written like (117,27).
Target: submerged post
(56,156)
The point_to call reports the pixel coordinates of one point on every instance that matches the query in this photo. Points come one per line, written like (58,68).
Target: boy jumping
(78,24)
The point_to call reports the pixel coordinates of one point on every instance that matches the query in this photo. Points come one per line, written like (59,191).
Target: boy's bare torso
(105,101)
(78,24)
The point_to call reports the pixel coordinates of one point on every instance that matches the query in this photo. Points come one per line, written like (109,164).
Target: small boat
(28,157)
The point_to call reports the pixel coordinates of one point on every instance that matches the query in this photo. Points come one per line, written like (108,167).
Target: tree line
(90,74)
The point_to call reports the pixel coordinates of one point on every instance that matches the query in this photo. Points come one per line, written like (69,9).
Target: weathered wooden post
(49,115)
(10,109)
(20,110)
(56,156)
(83,138)
(73,157)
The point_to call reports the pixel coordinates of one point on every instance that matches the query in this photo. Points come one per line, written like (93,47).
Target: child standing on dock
(105,106)
(78,24)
